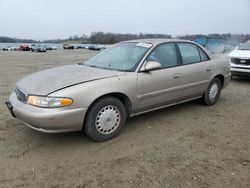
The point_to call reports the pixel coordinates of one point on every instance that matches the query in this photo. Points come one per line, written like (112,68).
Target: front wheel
(105,119)
(212,94)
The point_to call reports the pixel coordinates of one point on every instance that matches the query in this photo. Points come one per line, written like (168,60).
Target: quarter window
(203,55)
(189,53)
(165,54)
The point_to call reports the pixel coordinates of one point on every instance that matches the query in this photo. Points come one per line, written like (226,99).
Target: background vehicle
(6,48)
(24,47)
(128,79)
(81,47)
(10,48)
(49,47)
(33,46)
(38,48)
(240,60)
(68,47)
(94,47)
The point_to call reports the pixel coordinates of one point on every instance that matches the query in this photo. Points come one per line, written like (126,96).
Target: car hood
(50,80)
(240,53)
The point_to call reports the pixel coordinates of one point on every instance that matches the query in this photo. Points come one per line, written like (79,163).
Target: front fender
(85,94)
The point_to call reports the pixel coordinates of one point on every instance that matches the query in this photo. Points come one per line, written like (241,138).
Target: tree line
(15,40)
(111,38)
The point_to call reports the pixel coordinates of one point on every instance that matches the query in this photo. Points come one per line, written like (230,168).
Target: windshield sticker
(145,45)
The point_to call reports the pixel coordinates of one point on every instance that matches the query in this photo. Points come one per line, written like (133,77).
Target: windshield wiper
(87,65)
(91,66)
(106,68)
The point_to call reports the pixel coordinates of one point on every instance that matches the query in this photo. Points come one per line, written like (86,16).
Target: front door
(160,87)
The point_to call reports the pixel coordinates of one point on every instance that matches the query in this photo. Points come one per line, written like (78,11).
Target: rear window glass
(189,53)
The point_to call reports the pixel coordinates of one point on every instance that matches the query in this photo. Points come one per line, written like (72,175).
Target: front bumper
(240,70)
(54,120)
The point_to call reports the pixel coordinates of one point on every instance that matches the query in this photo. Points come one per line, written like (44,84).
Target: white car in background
(240,60)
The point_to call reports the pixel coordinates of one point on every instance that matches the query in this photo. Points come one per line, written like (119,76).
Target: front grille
(239,61)
(20,95)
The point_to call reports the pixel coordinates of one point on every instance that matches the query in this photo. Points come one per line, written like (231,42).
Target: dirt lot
(188,145)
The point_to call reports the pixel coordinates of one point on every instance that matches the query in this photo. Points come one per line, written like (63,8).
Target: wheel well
(123,98)
(221,78)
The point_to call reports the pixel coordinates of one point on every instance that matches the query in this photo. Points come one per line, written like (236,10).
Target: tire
(212,94)
(105,119)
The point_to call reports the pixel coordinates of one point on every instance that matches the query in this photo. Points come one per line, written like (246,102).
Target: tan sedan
(128,79)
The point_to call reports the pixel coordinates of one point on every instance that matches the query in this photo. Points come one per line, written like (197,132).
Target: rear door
(197,70)
(160,87)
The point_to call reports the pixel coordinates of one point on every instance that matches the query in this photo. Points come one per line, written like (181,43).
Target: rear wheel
(211,96)
(105,119)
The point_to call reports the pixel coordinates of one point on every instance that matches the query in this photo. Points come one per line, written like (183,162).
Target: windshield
(122,56)
(245,46)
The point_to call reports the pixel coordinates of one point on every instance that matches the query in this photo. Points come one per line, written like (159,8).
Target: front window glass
(122,56)
(189,53)
(165,54)
(245,46)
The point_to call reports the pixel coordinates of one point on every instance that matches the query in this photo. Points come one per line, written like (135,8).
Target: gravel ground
(188,145)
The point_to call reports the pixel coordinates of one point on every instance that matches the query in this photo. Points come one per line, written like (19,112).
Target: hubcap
(107,120)
(214,90)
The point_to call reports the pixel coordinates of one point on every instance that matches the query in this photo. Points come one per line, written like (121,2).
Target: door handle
(208,69)
(176,76)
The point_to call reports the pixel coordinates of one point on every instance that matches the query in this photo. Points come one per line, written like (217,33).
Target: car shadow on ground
(241,79)
(167,111)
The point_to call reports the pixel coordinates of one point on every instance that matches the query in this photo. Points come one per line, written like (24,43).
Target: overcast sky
(50,19)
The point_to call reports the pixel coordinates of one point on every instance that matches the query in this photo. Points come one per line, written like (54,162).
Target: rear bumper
(227,79)
(47,120)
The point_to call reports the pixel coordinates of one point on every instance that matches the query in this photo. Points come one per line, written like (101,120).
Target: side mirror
(150,66)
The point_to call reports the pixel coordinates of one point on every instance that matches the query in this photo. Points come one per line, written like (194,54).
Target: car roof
(156,41)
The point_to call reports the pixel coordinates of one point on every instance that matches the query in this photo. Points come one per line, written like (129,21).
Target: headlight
(49,102)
